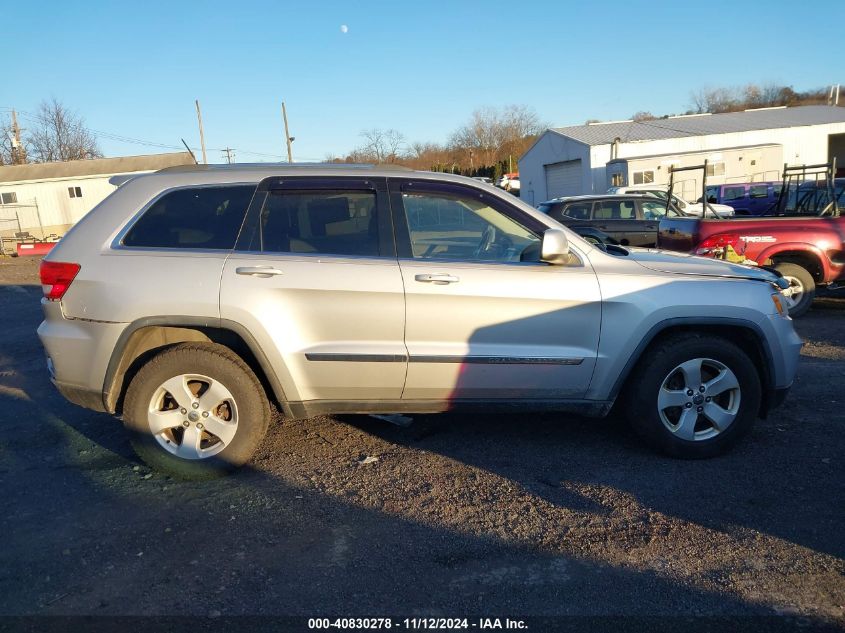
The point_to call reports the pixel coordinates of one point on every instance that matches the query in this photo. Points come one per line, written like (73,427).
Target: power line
(34,118)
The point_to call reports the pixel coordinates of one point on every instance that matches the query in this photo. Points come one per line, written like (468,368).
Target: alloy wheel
(193,416)
(699,399)
(794,293)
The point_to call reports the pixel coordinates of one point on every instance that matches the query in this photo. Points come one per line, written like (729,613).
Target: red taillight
(57,275)
(717,245)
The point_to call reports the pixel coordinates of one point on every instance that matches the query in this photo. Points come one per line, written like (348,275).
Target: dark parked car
(632,220)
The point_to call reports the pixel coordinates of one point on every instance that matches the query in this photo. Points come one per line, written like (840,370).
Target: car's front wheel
(694,396)
(196,410)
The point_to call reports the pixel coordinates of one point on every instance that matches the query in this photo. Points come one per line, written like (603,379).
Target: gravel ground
(458,515)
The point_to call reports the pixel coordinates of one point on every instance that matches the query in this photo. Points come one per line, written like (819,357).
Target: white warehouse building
(749,146)
(48,198)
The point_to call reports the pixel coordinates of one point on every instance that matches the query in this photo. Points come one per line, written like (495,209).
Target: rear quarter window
(198,217)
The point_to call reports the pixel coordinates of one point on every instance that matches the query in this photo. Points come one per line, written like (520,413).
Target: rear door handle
(437,278)
(258,271)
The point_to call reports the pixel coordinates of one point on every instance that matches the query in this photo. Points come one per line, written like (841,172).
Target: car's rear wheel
(802,288)
(693,396)
(196,410)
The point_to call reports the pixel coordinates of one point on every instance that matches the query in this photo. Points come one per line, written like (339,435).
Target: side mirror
(555,248)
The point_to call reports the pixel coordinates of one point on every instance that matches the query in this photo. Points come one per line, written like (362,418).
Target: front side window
(758,191)
(643,177)
(733,193)
(458,227)
(712,195)
(657,210)
(201,217)
(329,222)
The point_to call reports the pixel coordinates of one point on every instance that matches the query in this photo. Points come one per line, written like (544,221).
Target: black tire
(646,381)
(799,276)
(216,362)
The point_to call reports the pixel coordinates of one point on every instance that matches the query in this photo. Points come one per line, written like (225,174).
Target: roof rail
(293,166)
(781,107)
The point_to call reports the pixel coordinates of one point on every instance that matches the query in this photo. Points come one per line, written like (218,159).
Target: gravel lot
(459,515)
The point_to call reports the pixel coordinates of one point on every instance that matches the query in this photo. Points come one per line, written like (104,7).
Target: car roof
(607,196)
(188,175)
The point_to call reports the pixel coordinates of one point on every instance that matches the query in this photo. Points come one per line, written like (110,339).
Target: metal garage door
(563,179)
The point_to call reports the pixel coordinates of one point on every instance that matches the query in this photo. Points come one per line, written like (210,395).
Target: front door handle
(437,278)
(258,271)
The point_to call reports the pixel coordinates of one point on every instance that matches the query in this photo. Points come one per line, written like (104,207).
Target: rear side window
(579,211)
(201,217)
(758,191)
(329,222)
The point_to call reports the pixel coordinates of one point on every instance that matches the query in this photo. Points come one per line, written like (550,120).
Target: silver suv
(191,299)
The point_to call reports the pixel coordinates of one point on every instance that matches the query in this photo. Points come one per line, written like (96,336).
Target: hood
(685,264)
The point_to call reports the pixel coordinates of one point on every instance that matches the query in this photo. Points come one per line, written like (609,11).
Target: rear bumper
(777,397)
(78,354)
(82,397)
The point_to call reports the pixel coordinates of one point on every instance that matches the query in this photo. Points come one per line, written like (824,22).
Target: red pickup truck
(807,251)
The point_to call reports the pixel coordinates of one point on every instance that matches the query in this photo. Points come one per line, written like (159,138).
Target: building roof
(702,124)
(93,167)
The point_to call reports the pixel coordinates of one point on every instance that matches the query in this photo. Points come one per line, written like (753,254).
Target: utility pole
(288,137)
(202,135)
(18,150)
(229,152)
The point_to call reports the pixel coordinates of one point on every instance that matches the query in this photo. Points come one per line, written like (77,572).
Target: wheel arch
(145,337)
(747,335)
(807,256)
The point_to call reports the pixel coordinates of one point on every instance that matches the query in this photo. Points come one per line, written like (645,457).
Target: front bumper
(784,351)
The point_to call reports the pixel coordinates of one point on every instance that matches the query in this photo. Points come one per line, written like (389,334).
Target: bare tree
(6,153)
(752,96)
(491,134)
(60,135)
(643,115)
(381,146)
(715,100)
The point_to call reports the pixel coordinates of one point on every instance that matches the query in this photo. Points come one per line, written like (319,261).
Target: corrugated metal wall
(51,201)
(801,145)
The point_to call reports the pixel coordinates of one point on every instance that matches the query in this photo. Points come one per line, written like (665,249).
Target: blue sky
(134,69)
